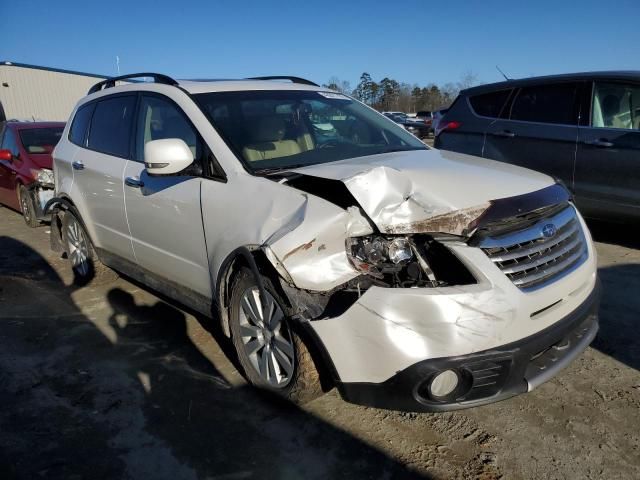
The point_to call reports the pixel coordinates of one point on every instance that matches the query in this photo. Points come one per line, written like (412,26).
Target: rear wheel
(27,207)
(273,355)
(85,264)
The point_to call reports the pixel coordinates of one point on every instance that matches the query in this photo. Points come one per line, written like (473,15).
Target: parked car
(414,126)
(26,178)
(582,128)
(427,117)
(437,116)
(410,278)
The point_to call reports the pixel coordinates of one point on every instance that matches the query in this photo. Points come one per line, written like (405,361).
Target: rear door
(164,213)
(98,168)
(538,130)
(607,178)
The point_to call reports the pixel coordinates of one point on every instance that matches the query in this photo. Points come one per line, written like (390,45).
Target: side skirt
(168,288)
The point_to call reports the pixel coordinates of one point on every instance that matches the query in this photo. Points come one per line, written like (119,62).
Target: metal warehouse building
(30,92)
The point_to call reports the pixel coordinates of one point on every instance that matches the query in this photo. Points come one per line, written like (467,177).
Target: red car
(26,175)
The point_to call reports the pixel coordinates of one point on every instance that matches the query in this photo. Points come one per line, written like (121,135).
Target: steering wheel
(329,144)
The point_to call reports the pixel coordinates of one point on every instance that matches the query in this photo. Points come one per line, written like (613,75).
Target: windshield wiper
(399,149)
(269,170)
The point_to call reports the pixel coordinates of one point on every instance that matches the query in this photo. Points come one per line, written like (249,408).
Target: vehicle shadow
(619,335)
(118,388)
(625,235)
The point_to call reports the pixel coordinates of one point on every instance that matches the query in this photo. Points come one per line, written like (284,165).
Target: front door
(538,130)
(165,218)
(607,179)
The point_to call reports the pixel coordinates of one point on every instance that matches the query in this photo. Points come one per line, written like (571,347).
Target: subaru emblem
(549,230)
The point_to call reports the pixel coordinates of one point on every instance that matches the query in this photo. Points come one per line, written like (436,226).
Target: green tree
(389,93)
(367,89)
(342,86)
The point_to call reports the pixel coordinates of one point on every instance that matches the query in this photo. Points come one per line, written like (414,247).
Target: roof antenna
(503,74)
(118,64)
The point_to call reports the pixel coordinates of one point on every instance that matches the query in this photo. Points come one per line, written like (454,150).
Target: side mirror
(167,156)
(6,155)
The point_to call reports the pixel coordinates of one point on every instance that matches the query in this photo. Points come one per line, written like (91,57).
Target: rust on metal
(304,246)
(455,223)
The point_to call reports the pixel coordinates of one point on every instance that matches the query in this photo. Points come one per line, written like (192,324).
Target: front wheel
(272,354)
(27,207)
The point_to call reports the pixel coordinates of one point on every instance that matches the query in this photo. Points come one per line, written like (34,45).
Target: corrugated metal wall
(41,94)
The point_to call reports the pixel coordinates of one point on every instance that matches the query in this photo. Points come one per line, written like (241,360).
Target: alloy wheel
(266,338)
(24,204)
(78,248)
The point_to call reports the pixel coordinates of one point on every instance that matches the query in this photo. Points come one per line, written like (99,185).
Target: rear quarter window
(547,104)
(80,124)
(110,130)
(489,104)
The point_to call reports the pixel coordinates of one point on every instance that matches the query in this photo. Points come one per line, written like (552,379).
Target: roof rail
(111,82)
(286,77)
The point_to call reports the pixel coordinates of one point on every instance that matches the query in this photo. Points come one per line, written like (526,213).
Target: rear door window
(489,104)
(110,130)
(80,124)
(616,105)
(554,103)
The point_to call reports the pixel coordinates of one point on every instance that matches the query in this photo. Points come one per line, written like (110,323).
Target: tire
(27,207)
(85,264)
(271,344)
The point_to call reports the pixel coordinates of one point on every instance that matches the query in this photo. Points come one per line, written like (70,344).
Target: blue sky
(412,41)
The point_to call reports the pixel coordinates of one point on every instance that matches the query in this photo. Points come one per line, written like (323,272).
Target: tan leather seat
(268,141)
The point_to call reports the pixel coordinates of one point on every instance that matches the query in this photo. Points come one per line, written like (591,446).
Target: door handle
(601,142)
(504,133)
(133,182)
(77,165)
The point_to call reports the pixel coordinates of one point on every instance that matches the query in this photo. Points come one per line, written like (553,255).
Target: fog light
(444,383)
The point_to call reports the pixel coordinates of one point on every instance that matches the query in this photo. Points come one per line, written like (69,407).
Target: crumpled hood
(423,191)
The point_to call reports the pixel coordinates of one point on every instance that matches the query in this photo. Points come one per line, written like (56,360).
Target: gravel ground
(115,382)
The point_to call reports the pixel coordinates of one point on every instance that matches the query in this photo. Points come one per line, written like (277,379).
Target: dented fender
(314,256)
(303,236)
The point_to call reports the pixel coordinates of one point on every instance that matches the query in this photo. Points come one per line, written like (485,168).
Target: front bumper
(491,375)
(40,195)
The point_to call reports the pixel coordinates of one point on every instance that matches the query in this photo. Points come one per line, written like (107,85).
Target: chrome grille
(530,259)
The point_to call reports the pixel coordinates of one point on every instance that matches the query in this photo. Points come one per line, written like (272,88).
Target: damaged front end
(386,235)
(41,191)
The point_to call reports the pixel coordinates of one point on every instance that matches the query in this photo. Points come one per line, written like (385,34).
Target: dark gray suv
(582,128)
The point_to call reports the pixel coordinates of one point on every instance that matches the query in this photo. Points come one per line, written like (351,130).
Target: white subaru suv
(332,246)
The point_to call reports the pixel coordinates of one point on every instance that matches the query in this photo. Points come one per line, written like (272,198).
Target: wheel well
(18,185)
(230,268)
(57,216)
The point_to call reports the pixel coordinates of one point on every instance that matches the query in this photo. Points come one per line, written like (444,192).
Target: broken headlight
(406,261)
(378,251)
(392,260)
(44,176)
(399,250)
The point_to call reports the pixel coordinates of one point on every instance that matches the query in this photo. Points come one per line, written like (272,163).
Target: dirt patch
(115,382)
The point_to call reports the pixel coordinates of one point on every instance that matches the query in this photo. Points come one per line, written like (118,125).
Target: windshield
(286,129)
(40,140)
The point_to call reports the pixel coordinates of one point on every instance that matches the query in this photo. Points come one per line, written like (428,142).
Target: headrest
(610,105)
(269,129)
